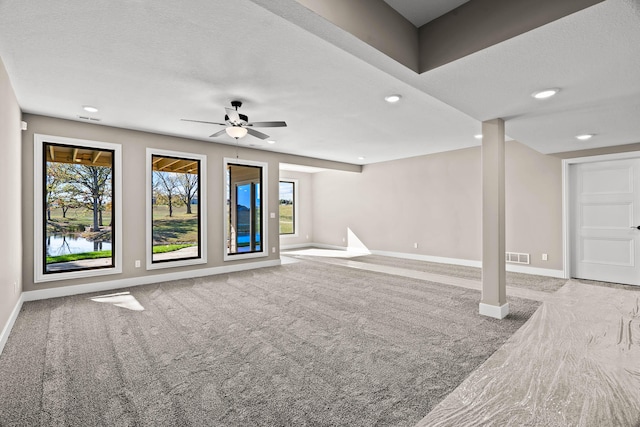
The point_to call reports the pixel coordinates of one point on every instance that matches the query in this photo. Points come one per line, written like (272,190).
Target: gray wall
(533,196)
(10,195)
(392,205)
(435,201)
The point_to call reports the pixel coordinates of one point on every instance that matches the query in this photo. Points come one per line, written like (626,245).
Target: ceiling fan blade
(233,115)
(257,134)
(202,121)
(268,124)
(219,133)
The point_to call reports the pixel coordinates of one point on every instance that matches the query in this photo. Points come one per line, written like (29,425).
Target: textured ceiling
(147,64)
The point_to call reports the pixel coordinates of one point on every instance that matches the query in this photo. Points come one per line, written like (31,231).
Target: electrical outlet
(273,250)
(273,215)
(415,245)
(545,257)
(137,263)
(15,287)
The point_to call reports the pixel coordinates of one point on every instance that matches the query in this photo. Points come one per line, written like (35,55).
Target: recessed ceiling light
(392,98)
(271,142)
(544,94)
(585,137)
(478,136)
(89,108)
(361,158)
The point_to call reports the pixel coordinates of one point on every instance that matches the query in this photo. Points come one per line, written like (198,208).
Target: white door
(605,199)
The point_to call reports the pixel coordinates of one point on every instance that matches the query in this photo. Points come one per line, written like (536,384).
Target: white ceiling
(148,64)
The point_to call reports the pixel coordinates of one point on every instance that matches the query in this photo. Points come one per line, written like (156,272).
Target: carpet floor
(304,344)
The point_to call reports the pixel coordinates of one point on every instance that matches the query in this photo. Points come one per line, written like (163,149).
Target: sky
(286,191)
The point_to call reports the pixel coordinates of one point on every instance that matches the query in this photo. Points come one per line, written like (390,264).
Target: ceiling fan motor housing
(244,119)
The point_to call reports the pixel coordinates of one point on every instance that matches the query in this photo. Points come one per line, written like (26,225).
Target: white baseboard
(297,246)
(429,258)
(142,280)
(325,246)
(514,268)
(497,312)
(9,325)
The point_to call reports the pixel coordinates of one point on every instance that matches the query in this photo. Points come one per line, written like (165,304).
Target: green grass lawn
(286,219)
(160,249)
(181,229)
(76,219)
(78,257)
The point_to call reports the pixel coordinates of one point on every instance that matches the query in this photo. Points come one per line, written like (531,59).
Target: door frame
(566,197)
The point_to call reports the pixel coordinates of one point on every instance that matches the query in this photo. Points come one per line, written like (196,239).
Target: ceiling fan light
(236,132)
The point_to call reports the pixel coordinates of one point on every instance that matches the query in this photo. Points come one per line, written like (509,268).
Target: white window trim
(38,235)
(202,204)
(264,232)
(296,202)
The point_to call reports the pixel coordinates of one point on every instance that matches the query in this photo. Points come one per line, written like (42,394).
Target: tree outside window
(78,204)
(176,218)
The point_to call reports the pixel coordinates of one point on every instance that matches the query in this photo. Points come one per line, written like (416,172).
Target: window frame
(202,206)
(39,261)
(295,207)
(264,227)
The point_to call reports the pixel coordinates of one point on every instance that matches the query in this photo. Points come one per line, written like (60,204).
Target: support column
(494,290)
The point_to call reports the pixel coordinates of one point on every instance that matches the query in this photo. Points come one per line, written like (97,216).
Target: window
(287,207)
(77,208)
(245,228)
(175,201)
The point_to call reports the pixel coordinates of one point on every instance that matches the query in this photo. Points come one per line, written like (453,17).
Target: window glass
(287,207)
(78,201)
(244,209)
(175,208)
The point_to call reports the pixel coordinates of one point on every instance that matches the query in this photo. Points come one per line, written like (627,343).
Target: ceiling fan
(238,125)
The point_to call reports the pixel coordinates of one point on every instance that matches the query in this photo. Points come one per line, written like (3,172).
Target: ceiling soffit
(374,22)
(469,28)
(419,12)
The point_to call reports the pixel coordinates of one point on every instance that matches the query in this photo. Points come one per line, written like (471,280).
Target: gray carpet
(518,280)
(301,344)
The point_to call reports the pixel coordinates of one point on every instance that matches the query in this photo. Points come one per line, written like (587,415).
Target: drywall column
(494,291)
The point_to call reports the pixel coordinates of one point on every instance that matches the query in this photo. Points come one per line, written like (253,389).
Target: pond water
(73,244)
